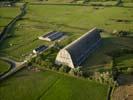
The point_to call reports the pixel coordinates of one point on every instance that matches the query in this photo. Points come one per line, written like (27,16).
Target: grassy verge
(4,66)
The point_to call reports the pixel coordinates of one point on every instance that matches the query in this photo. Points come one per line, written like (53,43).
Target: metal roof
(80,48)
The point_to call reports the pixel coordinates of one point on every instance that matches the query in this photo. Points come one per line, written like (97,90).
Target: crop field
(46,85)
(3,66)
(5,17)
(75,20)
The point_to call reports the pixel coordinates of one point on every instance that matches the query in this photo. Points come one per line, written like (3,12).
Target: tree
(85,1)
(72,72)
(130,70)
(57,45)
(119,3)
(64,68)
(76,71)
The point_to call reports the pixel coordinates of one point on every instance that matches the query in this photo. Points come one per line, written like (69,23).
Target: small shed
(6,3)
(40,49)
(51,36)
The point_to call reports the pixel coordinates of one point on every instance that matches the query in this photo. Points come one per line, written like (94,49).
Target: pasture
(5,17)
(124,61)
(47,85)
(100,57)
(75,20)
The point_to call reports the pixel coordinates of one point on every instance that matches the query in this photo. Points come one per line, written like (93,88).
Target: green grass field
(4,66)
(100,58)
(73,19)
(124,61)
(75,1)
(5,17)
(48,85)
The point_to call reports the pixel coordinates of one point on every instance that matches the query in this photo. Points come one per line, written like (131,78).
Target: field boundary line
(45,91)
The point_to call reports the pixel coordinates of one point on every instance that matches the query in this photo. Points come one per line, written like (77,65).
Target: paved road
(18,65)
(15,66)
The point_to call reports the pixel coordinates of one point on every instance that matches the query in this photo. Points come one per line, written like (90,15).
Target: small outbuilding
(51,36)
(76,52)
(40,49)
(7,4)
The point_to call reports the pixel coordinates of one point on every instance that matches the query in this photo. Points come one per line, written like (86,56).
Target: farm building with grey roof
(76,52)
(51,36)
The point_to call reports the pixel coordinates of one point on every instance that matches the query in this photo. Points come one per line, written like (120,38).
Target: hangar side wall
(64,57)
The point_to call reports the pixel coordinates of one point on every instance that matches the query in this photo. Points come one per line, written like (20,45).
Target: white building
(51,36)
(40,49)
(76,52)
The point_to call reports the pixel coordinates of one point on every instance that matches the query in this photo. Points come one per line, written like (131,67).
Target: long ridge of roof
(75,41)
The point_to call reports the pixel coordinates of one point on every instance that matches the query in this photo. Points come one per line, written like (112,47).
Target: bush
(130,70)
(80,73)
(64,68)
(87,74)
(72,72)
(123,33)
(104,77)
(97,5)
(119,3)
(76,71)
(55,68)
(85,1)
(115,73)
(37,60)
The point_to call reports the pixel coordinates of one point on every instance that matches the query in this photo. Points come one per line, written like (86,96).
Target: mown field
(5,17)
(75,20)
(4,66)
(46,85)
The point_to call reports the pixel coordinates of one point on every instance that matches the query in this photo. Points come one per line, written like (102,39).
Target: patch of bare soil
(125,90)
